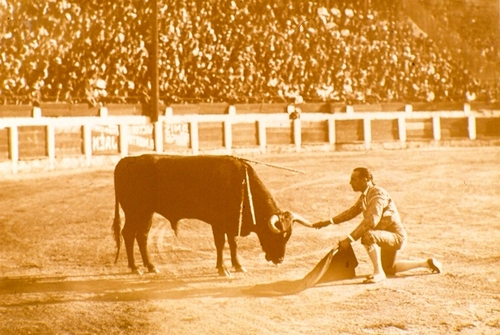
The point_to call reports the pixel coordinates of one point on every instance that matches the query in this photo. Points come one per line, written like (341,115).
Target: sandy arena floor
(57,274)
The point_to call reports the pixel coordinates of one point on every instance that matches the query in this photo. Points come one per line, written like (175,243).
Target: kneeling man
(381,231)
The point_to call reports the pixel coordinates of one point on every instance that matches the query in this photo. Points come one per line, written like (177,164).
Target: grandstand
(348,51)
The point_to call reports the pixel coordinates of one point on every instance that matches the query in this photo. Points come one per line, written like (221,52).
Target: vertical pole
(14,148)
(297,134)
(158,139)
(436,127)
(472,127)
(228,135)
(153,63)
(123,130)
(367,132)
(261,124)
(87,143)
(193,132)
(402,131)
(331,131)
(51,145)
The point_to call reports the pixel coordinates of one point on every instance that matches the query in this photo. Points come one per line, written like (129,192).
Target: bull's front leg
(219,239)
(233,247)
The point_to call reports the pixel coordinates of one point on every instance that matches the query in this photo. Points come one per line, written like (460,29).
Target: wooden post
(472,127)
(14,148)
(228,134)
(402,131)
(87,143)
(367,132)
(331,131)
(51,145)
(297,134)
(261,124)
(467,108)
(154,57)
(123,130)
(436,127)
(36,112)
(158,139)
(193,133)
(103,111)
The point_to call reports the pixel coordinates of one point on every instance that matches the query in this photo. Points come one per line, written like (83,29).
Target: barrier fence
(84,139)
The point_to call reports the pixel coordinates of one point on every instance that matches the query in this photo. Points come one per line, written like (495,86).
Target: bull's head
(279,231)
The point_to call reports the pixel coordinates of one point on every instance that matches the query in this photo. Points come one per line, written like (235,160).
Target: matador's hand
(321,224)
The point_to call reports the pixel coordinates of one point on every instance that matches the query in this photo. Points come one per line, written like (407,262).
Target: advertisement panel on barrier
(140,137)
(105,139)
(176,135)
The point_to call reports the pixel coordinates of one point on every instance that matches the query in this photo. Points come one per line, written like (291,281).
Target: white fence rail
(115,135)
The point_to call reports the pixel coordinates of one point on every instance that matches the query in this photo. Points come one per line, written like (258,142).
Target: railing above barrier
(51,139)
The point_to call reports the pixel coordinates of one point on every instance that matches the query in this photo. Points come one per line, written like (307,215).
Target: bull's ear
(272,224)
(299,219)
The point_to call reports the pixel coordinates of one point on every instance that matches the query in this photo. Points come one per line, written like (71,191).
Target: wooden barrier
(51,139)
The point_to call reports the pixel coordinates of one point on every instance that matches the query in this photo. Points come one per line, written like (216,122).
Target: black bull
(223,191)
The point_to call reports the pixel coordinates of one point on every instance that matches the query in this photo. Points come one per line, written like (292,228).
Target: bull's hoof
(153,269)
(223,272)
(137,271)
(240,269)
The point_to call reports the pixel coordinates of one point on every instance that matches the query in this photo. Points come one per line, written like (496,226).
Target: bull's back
(203,187)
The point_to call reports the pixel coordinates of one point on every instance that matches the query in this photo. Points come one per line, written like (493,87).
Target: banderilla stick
(270,165)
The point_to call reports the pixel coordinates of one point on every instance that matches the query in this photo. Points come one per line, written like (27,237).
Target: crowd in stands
(352,51)
(475,22)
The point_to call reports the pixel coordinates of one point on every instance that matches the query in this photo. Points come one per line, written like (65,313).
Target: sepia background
(408,88)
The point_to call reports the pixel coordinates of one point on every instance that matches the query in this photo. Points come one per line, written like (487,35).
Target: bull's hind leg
(233,247)
(129,232)
(142,241)
(220,240)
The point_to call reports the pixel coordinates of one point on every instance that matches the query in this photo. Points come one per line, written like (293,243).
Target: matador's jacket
(379,212)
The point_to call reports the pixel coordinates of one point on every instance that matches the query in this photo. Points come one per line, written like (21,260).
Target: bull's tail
(117,227)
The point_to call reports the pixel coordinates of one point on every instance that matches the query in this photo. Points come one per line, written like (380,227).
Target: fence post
(331,131)
(297,134)
(228,134)
(14,148)
(261,124)
(123,133)
(103,111)
(51,145)
(367,131)
(436,127)
(193,133)
(467,108)
(158,131)
(402,131)
(472,127)
(36,112)
(87,143)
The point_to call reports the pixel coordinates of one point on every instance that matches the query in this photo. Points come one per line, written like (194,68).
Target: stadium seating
(226,51)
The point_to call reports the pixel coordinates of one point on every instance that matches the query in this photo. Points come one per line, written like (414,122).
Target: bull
(223,191)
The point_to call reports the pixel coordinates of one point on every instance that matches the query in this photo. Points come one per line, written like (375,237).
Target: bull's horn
(299,219)
(272,224)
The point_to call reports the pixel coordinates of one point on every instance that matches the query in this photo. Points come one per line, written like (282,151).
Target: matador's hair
(365,173)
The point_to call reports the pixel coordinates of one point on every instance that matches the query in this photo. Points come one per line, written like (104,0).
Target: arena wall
(46,143)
